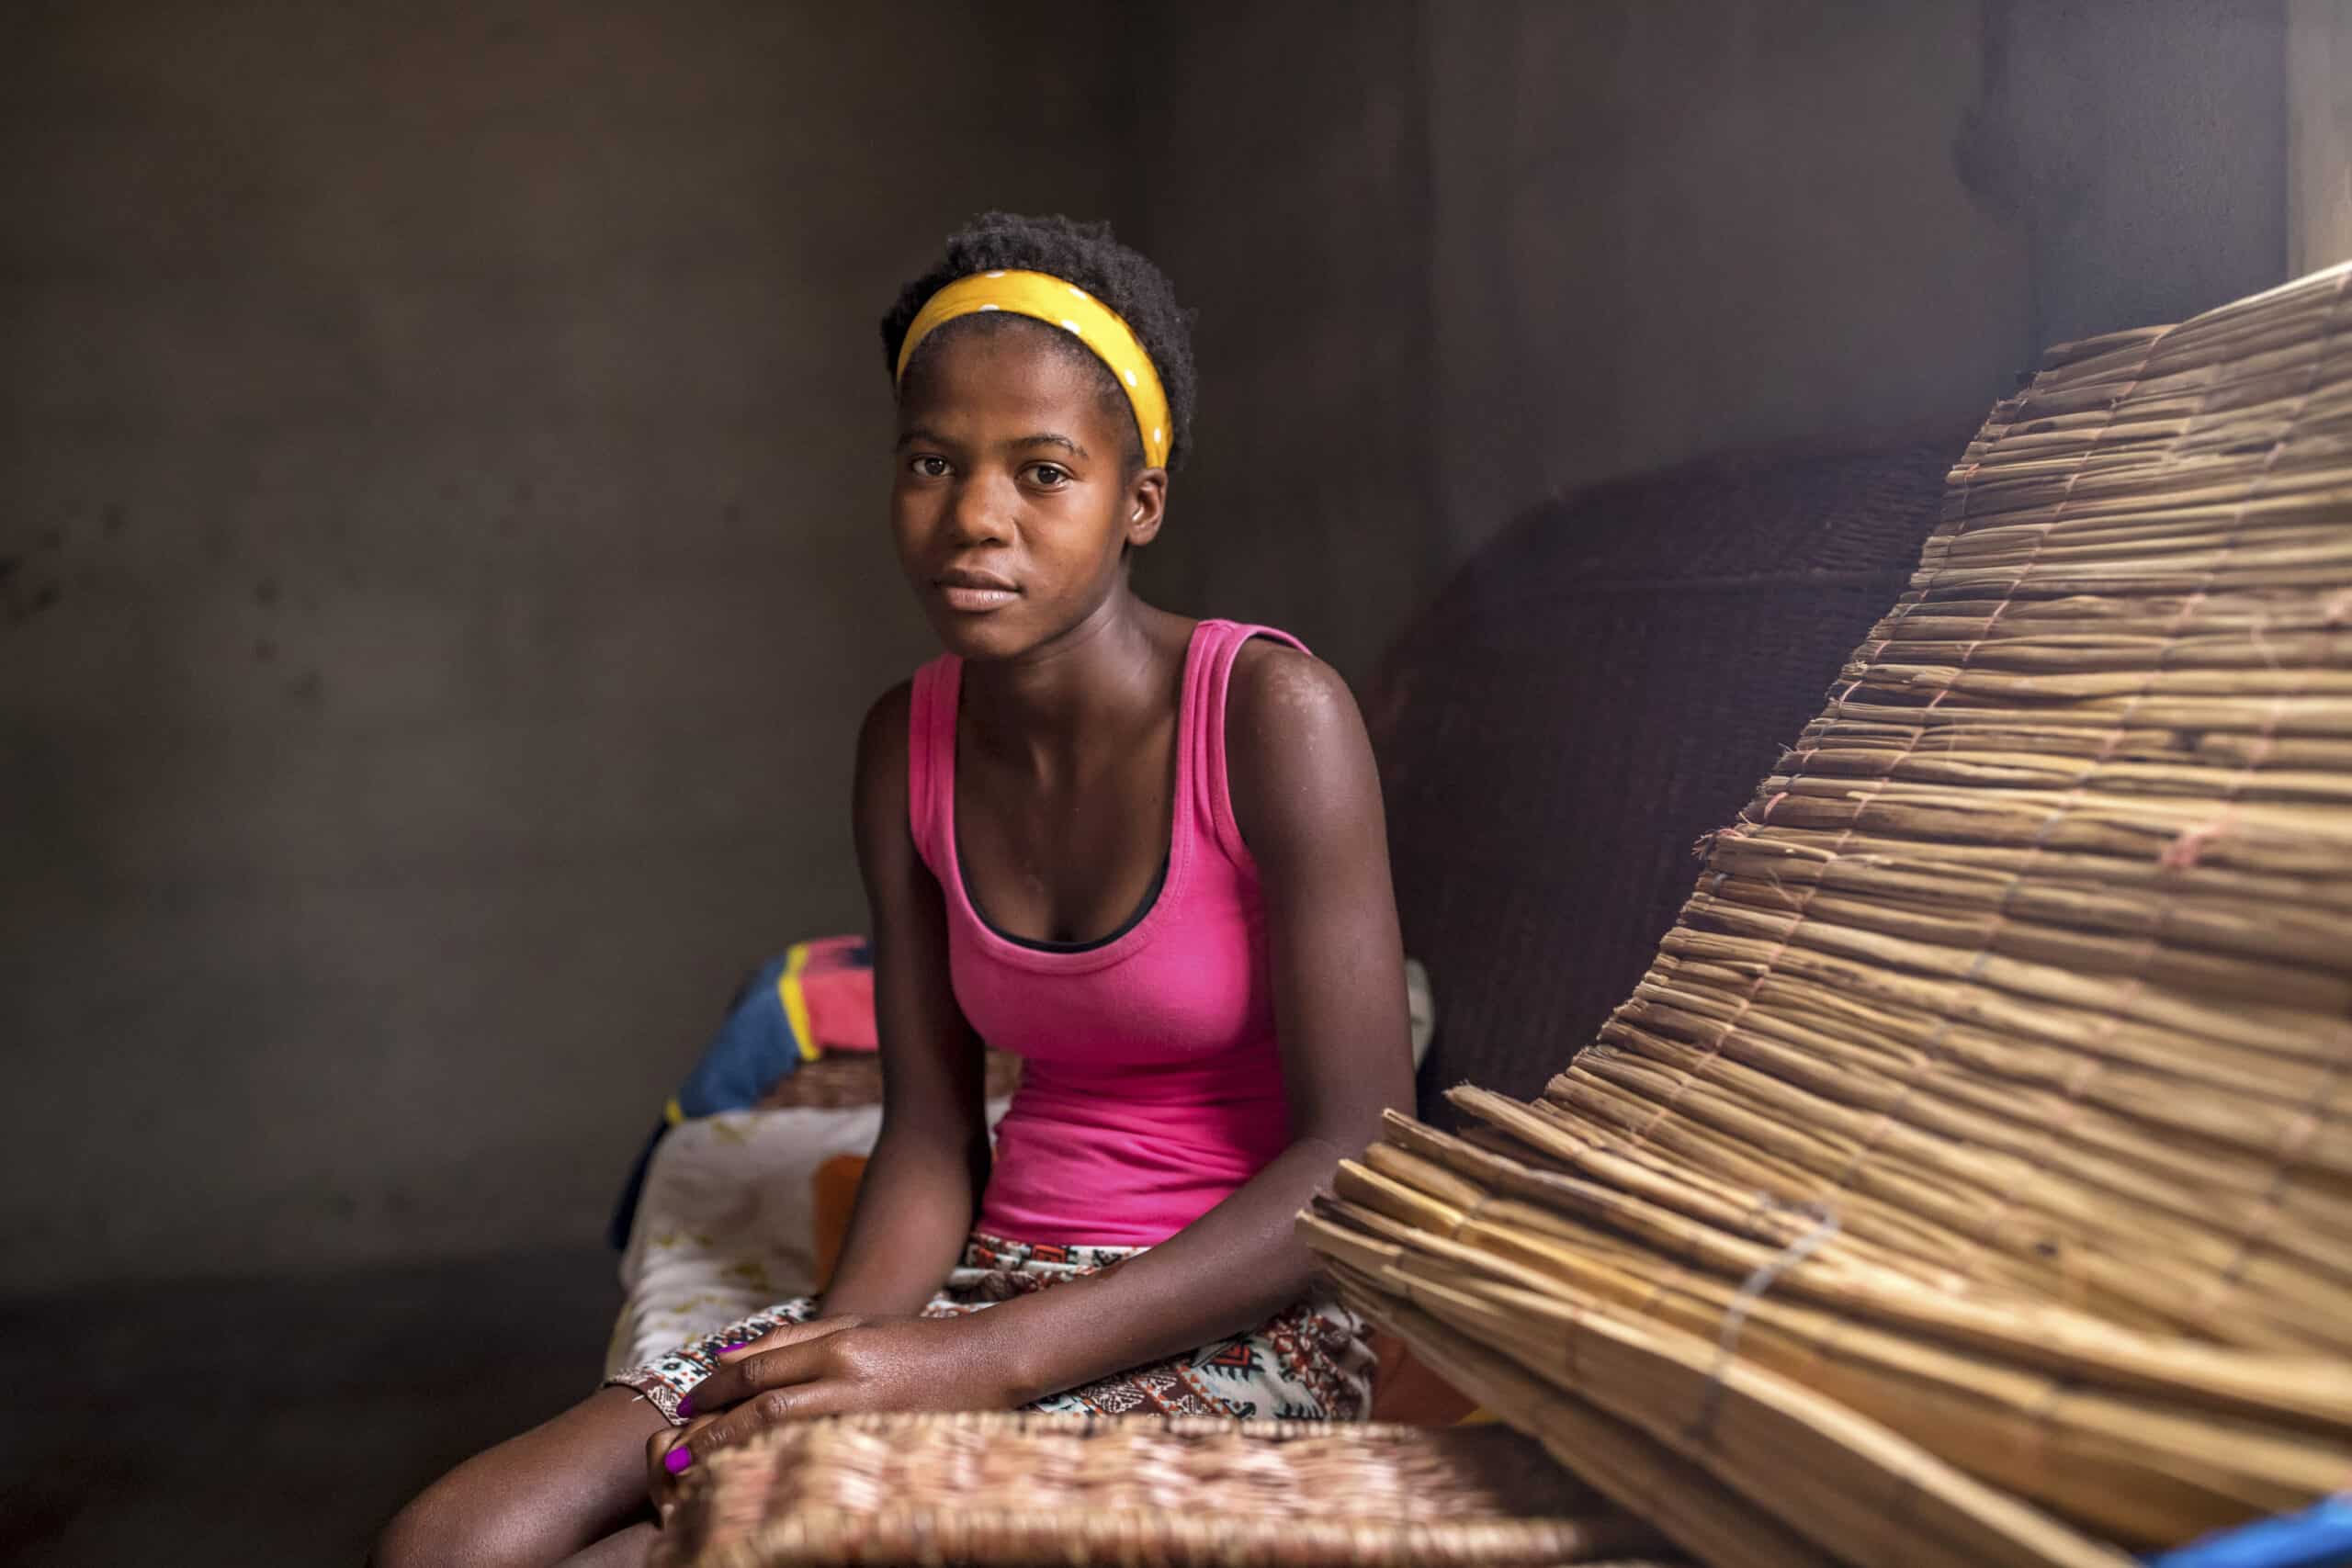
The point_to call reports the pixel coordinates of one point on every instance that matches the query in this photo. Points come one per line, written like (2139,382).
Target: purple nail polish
(677,1461)
(685,1404)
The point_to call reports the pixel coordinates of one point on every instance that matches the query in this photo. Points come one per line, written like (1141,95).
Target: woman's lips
(974,600)
(976,593)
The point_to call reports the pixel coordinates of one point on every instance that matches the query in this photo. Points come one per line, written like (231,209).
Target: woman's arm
(921,1186)
(1307,798)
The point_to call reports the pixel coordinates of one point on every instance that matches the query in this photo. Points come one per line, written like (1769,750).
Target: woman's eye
(931,468)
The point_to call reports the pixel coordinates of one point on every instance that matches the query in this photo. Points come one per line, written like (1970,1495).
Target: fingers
(657,1476)
(771,1408)
(748,1375)
(774,1358)
(789,1334)
(667,1458)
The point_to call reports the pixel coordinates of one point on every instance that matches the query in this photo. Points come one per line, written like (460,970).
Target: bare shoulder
(1297,758)
(1276,686)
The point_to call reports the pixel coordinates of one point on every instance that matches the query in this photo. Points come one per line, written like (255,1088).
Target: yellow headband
(1066,304)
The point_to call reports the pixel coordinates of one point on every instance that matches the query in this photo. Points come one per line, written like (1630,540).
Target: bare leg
(623,1549)
(535,1499)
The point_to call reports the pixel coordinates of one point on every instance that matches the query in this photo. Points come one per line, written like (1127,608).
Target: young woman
(1144,851)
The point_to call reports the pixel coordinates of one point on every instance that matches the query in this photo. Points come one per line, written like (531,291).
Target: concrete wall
(2141,148)
(1281,176)
(2319,134)
(442,558)
(1667,228)
(1451,260)
(444,565)
(1670,228)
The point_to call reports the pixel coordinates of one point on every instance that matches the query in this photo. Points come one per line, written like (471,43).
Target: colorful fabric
(1151,1087)
(812,996)
(1309,1363)
(828,983)
(1057,303)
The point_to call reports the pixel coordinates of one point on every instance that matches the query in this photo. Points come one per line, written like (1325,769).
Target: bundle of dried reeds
(1970,1178)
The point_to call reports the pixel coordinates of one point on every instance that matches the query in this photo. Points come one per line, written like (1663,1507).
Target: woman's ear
(1147,506)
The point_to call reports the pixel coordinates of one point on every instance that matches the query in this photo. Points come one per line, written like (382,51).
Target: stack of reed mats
(1969,1182)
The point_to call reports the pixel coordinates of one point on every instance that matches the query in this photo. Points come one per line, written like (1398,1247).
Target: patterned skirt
(1308,1363)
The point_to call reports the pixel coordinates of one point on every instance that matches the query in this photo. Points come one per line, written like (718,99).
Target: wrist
(1020,1350)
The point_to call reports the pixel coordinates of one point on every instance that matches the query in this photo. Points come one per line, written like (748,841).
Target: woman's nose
(980,512)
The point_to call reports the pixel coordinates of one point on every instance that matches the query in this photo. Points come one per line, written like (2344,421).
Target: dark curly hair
(1083,253)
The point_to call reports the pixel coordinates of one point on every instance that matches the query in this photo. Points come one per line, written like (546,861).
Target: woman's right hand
(660,1478)
(841,1366)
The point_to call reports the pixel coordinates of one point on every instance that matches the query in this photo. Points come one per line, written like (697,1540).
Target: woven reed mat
(1146,1492)
(1969,1179)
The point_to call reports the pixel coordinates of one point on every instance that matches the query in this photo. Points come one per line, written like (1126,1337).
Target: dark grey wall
(1669,228)
(1280,166)
(444,566)
(441,559)
(2142,150)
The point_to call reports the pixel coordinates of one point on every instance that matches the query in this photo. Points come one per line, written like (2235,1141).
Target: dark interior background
(441,561)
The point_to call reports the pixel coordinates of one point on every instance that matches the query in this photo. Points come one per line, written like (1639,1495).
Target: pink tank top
(1151,1086)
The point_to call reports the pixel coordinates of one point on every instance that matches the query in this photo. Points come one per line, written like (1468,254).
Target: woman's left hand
(838,1365)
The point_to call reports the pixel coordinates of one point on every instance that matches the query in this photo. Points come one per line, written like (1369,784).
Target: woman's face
(1013,501)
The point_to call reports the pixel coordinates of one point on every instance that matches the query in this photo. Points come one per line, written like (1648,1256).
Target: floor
(265,1422)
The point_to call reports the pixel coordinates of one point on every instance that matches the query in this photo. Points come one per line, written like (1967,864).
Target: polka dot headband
(1066,304)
